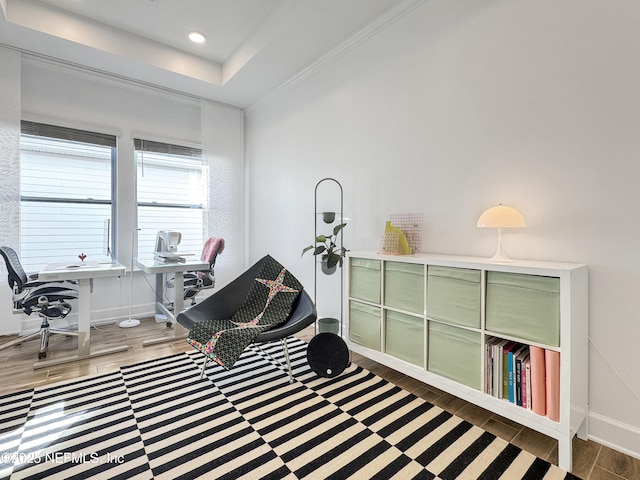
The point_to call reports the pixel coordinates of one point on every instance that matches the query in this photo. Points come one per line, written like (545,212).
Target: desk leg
(179,331)
(84,331)
(84,317)
(178,304)
(160,286)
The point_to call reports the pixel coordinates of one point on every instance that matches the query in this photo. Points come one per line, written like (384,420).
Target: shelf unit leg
(565,451)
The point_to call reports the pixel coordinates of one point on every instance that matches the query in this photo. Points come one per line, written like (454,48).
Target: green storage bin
(404,337)
(524,306)
(404,286)
(453,295)
(365,279)
(364,325)
(455,353)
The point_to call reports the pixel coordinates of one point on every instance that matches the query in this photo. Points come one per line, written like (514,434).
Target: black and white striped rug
(159,420)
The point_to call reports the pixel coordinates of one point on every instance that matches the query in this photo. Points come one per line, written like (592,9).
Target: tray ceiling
(252,46)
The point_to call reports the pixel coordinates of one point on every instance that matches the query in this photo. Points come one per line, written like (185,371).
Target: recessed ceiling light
(197,37)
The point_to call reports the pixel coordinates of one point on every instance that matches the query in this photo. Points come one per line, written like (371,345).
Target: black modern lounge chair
(236,297)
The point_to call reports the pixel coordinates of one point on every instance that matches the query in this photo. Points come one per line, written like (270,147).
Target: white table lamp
(501,216)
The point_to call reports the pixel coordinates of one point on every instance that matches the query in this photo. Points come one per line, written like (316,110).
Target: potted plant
(326,246)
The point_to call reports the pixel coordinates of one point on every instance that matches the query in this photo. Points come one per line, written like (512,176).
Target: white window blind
(66,194)
(171,192)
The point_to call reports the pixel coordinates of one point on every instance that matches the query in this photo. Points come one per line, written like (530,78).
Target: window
(171,192)
(66,194)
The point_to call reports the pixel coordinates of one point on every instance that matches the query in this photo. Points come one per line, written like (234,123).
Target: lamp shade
(501,216)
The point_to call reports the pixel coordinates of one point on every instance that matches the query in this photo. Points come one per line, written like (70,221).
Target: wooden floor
(591,460)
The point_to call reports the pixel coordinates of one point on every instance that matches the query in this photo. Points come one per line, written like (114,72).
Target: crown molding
(354,41)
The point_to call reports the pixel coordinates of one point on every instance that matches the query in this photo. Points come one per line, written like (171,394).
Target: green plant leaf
(337,228)
(329,247)
(333,260)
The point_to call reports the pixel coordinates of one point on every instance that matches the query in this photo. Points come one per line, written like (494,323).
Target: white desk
(178,269)
(84,273)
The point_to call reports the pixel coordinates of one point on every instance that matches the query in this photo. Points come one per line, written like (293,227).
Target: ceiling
(252,46)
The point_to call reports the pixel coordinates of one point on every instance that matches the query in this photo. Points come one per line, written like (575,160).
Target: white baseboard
(23,324)
(614,434)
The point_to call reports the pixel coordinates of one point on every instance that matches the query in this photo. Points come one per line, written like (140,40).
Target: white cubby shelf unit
(430,317)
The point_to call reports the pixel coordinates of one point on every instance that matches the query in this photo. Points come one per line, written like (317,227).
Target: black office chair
(195,281)
(49,300)
(235,296)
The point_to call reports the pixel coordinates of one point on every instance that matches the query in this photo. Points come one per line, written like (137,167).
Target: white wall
(69,96)
(9,161)
(456,107)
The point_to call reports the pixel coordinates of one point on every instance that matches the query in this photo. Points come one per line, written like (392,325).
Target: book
(493,366)
(552,369)
(488,368)
(525,375)
(517,374)
(507,370)
(528,382)
(538,380)
(497,367)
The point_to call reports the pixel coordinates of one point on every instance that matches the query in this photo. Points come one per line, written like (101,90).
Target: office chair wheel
(42,355)
(169,324)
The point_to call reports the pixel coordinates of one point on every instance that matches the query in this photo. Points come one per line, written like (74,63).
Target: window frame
(73,135)
(142,146)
